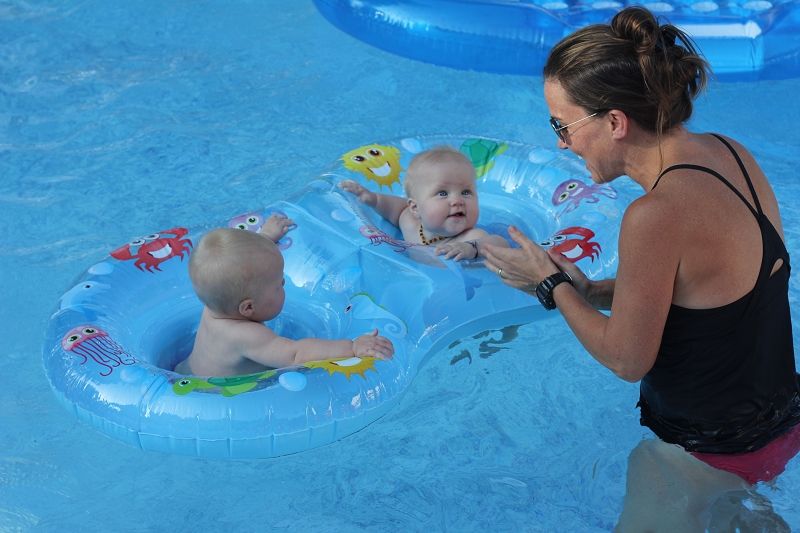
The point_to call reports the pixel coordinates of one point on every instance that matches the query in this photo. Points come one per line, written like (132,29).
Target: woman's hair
(649,71)
(422,162)
(228,265)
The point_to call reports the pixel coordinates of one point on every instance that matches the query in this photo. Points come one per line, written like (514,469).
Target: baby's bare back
(221,347)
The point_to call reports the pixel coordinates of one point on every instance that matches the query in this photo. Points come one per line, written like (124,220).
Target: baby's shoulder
(249,328)
(232,331)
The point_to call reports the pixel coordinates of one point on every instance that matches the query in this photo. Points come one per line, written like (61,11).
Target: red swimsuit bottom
(763,464)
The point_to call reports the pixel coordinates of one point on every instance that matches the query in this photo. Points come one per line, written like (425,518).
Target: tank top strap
(744,172)
(716,175)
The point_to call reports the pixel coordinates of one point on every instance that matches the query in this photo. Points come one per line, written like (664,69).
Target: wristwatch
(544,290)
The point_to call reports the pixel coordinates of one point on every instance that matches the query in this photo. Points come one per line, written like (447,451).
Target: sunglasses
(562,131)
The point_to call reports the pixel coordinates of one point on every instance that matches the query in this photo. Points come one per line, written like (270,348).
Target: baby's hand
(458,250)
(373,345)
(276,227)
(364,195)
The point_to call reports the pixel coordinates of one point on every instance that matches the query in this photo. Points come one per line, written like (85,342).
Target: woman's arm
(626,342)
(599,294)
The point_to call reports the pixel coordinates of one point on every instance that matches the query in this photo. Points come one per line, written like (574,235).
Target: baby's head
(238,273)
(441,190)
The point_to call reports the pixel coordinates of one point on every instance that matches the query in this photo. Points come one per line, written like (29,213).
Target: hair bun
(640,28)
(649,70)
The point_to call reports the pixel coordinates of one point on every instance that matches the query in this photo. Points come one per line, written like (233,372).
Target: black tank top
(724,380)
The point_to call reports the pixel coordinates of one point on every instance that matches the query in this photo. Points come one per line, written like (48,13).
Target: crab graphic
(152,250)
(574,249)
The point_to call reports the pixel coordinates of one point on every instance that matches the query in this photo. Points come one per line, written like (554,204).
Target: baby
(238,275)
(441,206)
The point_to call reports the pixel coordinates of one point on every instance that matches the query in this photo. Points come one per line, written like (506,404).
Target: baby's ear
(246,307)
(412,205)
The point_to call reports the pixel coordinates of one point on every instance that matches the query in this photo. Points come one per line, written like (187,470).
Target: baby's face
(447,199)
(270,295)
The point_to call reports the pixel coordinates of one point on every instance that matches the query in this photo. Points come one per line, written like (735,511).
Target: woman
(699,308)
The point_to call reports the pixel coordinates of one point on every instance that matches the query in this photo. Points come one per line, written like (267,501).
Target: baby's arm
(277,352)
(276,227)
(470,247)
(388,206)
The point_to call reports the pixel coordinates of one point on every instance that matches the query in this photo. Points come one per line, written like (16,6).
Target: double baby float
(742,39)
(117,333)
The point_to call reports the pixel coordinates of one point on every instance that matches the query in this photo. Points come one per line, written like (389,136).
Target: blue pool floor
(121,119)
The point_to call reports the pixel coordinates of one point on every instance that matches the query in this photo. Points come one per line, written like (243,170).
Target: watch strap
(544,290)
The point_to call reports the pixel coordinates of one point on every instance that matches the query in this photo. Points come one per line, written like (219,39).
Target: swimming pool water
(119,119)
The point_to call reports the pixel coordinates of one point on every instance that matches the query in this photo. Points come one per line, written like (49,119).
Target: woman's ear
(619,124)
(246,307)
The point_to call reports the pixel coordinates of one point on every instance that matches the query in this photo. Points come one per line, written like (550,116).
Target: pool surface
(120,119)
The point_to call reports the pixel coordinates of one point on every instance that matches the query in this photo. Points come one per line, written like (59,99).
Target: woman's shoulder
(658,219)
(652,208)
(718,144)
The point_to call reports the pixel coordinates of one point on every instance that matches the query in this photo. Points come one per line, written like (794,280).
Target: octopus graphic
(571,192)
(247,221)
(375,162)
(253,222)
(574,249)
(89,341)
(152,250)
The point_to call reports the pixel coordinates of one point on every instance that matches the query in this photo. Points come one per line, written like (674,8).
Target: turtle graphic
(481,152)
(228,386)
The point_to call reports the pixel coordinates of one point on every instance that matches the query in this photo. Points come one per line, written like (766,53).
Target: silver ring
(500,272)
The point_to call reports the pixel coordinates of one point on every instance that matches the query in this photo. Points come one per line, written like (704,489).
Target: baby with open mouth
(440,207)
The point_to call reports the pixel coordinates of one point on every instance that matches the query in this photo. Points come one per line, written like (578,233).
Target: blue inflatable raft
(117,333)
(742,39)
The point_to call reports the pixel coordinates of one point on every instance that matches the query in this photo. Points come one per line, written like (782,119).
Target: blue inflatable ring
(742,39)
(116,335)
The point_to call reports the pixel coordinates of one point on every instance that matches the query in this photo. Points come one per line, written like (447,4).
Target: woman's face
(587,136)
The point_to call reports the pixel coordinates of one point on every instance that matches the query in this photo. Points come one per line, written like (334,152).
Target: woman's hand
(522,268)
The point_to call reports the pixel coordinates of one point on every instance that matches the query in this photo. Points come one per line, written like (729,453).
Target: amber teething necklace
(425,241)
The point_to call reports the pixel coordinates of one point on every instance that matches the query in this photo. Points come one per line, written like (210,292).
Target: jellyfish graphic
(89,341)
